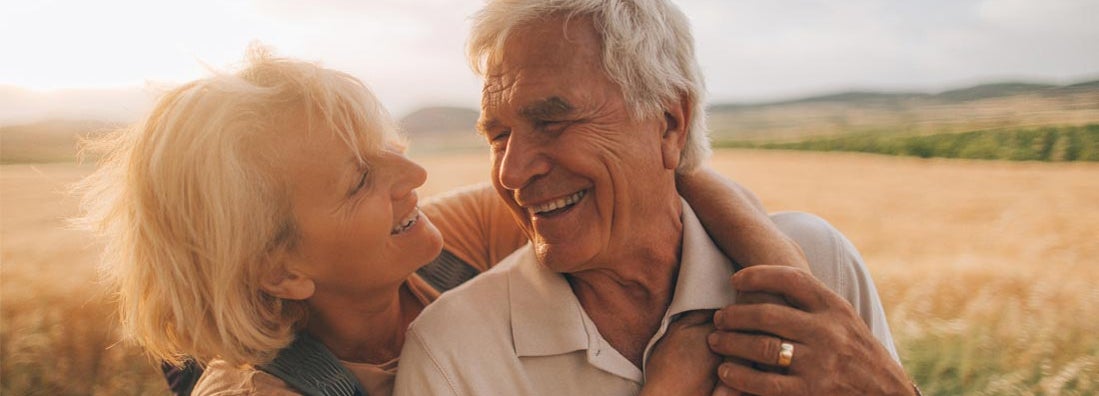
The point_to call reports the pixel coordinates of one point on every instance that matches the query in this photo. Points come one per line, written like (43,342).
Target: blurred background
(955,142)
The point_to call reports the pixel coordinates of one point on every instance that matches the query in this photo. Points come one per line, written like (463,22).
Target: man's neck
(627,300)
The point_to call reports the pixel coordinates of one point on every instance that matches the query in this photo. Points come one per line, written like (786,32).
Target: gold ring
(785,354)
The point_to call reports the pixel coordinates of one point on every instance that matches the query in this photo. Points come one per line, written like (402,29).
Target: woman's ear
(287,282)
(677,120)
(289,285)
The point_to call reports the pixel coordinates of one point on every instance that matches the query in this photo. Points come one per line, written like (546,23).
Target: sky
(112,55)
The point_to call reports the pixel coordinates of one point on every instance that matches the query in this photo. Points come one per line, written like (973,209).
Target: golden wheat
(985,268)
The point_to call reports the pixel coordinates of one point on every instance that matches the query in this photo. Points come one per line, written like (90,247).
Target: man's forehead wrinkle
(496,82)
(492,98)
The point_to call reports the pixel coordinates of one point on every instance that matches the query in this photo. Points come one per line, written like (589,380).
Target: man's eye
(498,143)
(552,126)
(499,138)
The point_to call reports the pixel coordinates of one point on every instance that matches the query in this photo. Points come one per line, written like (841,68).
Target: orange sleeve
(476,225)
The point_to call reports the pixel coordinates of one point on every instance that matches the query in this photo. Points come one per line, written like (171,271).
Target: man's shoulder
(807,229)
(832,258)
(467,326)
(475,306)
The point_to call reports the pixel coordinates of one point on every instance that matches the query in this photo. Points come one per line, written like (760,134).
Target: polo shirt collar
(547,319)
(704,271)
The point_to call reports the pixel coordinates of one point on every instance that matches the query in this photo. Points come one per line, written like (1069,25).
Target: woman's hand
(681,362)
(737,222)
(833,351)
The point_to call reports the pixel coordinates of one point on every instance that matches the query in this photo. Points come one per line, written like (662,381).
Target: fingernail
(723,371)
(717,317)
(739,276)
(712,339)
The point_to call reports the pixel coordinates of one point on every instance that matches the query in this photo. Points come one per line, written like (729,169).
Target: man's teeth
(558,203)
(407,223)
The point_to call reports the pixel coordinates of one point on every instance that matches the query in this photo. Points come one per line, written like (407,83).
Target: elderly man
(590,108)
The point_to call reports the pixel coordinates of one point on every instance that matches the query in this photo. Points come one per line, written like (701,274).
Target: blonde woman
(266,224)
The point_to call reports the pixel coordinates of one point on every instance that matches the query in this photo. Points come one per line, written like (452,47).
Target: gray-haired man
(590,108)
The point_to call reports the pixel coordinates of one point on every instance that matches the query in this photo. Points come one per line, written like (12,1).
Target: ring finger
(760,348)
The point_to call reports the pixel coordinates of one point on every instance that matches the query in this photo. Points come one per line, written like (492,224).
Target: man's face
(580,176)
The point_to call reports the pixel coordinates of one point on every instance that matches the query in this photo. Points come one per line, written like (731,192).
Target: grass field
(988,270)
(1048,143)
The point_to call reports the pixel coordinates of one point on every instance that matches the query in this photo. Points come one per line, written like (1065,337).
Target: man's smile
(556,206)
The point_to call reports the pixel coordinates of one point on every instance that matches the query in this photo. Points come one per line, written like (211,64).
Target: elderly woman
(266,225)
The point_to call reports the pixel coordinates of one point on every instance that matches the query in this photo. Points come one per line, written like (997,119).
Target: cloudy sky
(411,51)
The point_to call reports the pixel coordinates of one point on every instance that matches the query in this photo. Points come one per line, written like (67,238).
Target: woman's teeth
(407,223)
(558,203)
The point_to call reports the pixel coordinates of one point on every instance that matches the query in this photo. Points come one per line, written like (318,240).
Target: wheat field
(987,269)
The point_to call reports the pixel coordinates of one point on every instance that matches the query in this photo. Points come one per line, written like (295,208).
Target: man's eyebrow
(484,126)
(546,109)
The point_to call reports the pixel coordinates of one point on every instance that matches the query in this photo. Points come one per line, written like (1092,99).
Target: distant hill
(1089,85)
(436,120)
(980,107)
(441,129)
(849,97)
(976,92)
(996,90)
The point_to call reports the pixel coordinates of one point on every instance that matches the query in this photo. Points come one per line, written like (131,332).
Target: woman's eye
(364,180)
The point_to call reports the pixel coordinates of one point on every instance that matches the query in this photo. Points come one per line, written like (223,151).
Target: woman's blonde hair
(194,214)
(648,50)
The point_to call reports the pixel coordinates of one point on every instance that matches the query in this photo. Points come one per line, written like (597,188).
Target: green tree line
(1064,143)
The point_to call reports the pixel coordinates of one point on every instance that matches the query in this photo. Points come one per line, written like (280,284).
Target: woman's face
(361,230)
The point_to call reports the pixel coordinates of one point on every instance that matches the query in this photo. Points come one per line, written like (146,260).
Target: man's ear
(288,282)
(677,118)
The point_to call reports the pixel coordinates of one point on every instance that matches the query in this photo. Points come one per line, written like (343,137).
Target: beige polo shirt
(519,330)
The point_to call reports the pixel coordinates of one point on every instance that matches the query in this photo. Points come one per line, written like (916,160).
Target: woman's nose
(409,176)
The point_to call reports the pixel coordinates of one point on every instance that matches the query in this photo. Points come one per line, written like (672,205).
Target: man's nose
(524,159)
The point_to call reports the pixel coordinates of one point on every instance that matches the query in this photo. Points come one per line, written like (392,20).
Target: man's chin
(559,258)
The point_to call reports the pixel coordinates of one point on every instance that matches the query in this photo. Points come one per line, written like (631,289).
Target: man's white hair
(648,50)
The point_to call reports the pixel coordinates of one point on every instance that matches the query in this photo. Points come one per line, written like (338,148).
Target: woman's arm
(736,221)
(476,225)
(738,224)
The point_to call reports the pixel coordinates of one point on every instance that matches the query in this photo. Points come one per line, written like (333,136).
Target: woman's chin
(426,242)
